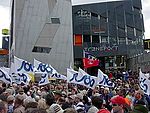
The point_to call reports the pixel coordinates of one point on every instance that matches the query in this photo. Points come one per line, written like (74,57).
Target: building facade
(43,30)
(111,31)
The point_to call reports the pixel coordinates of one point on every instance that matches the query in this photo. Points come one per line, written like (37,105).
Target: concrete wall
(34,27)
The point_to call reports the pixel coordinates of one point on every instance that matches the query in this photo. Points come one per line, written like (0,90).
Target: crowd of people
(60,97)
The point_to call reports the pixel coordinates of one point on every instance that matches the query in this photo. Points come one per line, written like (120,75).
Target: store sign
(102,48)
(83,13)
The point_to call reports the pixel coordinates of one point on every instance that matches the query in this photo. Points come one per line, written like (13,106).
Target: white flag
(22,66)
(4,76)
(44,79)
(81,78)
(7,70)
(40,67)
(104,80)
(58,76)
(21,78)
(144,82)
(12,69)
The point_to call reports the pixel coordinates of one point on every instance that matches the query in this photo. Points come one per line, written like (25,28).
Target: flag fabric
(12,69)
(81,78)
(40,67)
(104,80)
(21,78)
(89,60)
(144,82)
(7,70)
(22,66)
(58,76)
(44,79)
(4,76)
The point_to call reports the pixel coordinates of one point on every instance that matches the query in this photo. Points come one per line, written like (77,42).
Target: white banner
(44,79)
(104,80)
(12,69)
(44,68)
(58,76)
(40,67)
(22,66)
(21,78)
(7,70)
(4,76)
(81,78)
(144,82)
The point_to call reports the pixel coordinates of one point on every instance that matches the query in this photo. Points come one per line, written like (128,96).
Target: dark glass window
(41,49)
(129,19)
(121,32)
(55,20)
(122,40)
(104,39)
(95,38)
(138,22)
(113,40)
(120,16)
(130,33)
(86,38)
(103,24)
(95,25)
(86,26)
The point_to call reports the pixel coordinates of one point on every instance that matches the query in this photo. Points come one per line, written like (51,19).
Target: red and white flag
(89,60)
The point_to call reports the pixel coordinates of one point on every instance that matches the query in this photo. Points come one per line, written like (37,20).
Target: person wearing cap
(10,102)
(3,107)
(139,97)
(52,106)
(80,108)
(57,95)
(96,104)
(18,106)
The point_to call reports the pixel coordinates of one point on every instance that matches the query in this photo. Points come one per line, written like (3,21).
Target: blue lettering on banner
(26,66)
(56,75)
(45,68)
(143,85)
(23,77)
(106,81)
(43,78)
(2,74)
(86,79)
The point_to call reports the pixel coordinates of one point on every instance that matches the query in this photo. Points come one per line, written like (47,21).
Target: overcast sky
(5,13)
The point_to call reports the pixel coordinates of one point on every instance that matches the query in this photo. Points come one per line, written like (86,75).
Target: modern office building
(112,31)
(43,30)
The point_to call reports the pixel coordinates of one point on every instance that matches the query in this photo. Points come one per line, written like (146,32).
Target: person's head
(49,99)
(71,99)
(35,110)
(10,99)
(3,108)
(19,99)
(97,102)
(139,94)
(70,110)
(117,109)
(106,90)
(78,98)
(21,91)
(31,105)
(42,104)
(139,109)
(122,92)
(57,94)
